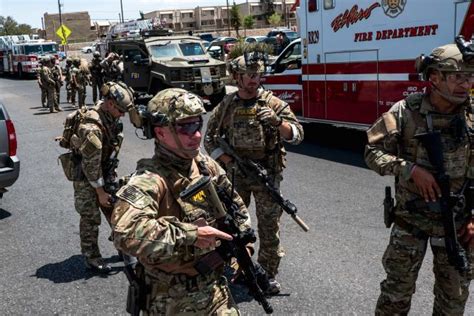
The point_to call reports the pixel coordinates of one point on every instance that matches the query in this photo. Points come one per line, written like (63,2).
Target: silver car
(9,162)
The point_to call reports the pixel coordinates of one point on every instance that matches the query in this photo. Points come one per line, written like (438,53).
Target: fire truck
(355,59)
(19,54)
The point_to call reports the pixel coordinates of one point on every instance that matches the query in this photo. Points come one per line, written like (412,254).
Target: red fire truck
(19,54)
(357,58)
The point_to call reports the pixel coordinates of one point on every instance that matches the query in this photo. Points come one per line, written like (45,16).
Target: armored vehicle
(155,60)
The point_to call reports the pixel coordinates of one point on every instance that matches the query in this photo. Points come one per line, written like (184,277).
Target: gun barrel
(300,222)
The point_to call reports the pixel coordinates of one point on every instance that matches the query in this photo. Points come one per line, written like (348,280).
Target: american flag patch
(130,194)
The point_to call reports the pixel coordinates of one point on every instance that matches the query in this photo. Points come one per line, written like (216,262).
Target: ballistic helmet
(457,57)
(120,93)
(68,61)
(171,105)
(76,61)
(96,55)
(249,62)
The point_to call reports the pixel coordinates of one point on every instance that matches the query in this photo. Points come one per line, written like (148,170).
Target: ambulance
(355,59)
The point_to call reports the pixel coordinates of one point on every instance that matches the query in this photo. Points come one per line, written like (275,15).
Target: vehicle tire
(20,71)
(89,51)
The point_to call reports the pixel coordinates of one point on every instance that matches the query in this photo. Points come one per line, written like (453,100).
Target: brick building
(82,30)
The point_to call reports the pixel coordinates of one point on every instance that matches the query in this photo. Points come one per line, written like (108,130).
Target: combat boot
(97,265)
(273,288)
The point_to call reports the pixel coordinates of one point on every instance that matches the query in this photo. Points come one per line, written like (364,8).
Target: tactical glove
(267,115)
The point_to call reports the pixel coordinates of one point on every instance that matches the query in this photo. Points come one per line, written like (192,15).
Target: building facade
(82,30)
(216,17)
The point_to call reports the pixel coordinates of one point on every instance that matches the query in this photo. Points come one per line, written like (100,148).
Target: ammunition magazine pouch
(71,164)
(137,292)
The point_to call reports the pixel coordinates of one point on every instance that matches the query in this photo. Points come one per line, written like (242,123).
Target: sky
(31,11)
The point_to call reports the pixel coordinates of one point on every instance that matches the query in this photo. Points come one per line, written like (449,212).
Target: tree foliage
(268,8)
(249,22)
(235,18)
(8,26)
(274,19)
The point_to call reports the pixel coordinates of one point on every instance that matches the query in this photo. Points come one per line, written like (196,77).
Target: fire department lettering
(411,31)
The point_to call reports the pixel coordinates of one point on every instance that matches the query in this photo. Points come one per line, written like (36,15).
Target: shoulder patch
(134,196)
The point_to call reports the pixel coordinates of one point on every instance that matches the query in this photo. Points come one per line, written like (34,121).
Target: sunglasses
(188,128)
(459,77)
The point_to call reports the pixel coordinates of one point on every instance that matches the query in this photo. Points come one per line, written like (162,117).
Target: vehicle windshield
(40,48)
(176,50)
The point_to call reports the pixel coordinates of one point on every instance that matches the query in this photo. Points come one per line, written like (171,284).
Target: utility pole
(121,10)
(61,25)
(228,18)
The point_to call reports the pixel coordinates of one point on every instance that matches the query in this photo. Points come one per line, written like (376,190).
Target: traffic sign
(63,32)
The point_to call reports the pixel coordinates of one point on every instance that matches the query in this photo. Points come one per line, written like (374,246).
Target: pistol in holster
(388,207)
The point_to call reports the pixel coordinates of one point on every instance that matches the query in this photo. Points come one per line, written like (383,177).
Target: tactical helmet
(447,58)
(76,61)
(45,59)
(249,62)
(118,91)
(171,105)
(68,61)
(96,55)
(52,58)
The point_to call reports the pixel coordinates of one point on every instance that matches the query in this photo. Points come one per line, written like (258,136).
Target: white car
(254,39)
(89,49)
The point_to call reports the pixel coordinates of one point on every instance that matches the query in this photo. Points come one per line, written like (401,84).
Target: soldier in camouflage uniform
(70,93)
(97,76)
(394,150)
(44,92)
(58,79)
(47,80)
(80,78)
(255,123)
(153,223)
(111,67)
(97,140)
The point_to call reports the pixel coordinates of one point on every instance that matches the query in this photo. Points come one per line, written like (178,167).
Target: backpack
(72,123)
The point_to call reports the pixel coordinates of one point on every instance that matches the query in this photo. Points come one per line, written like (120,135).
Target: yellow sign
(63,32)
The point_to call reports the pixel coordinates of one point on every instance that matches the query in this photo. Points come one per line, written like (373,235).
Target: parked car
(216,46)
(206,37)
(89,49)
(292,35)
(9,162)
(254,39)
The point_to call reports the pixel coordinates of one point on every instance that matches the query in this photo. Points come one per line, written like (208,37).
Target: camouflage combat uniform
(98,138)
(44,92)
(97,77)
(154,224)
(235,120)
(80,78)
(70,92)
(111,70)
(57,77)
(48,83)
(394,150)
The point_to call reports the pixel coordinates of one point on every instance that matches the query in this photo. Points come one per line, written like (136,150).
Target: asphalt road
(335,269)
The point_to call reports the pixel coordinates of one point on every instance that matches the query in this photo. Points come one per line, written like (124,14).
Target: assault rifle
(457,256)
(228,215)
(256,171)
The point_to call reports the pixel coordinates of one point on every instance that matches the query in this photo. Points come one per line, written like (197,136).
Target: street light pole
(121,10)
(228,18)
(61,26)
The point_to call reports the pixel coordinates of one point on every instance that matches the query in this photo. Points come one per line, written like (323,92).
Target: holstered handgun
(388,207)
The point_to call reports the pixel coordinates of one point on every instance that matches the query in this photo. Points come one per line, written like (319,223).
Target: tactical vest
(456,144)
(247,135)
(189,213)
